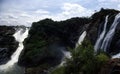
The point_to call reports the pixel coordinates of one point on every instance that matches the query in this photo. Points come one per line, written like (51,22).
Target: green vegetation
(46,32)
(83,61)
(59,70)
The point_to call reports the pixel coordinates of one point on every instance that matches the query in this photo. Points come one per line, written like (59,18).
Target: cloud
(73,9)
(101,0)
(111,4)
(115,0)
(41,11)
(24,12)
(68,10)
(13,18)
(23,17)
(108,1)
(118,6)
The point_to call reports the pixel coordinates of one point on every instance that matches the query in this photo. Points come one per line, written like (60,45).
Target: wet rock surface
(96,27)
(112,67)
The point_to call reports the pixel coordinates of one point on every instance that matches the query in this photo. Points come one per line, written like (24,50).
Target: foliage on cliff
(44,34)
(83,61)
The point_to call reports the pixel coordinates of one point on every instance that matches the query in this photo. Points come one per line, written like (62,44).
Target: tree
(84,61)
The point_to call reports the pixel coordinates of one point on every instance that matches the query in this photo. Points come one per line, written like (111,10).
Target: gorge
(10,66)
(48,43)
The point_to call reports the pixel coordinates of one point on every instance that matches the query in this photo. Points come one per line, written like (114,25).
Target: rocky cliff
(8,43)
(96,26)
(48,39)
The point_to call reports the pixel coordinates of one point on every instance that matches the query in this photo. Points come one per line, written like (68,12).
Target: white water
(110,34)
(116,56)
(67,54)
(99,40)
(19,36)
(81,38)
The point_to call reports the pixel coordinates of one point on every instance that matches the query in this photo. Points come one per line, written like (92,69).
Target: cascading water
(104,41)
(99,40)
(110,34)
(67,54)
(19,36)
(116,56)
(81,38)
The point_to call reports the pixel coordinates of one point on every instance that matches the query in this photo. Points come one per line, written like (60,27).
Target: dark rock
(97,23)
(47,39)
(115,44)
(8,43)
(112,67)
(51,55)
(96,27)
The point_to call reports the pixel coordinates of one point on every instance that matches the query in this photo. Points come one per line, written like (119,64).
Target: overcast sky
(24,12)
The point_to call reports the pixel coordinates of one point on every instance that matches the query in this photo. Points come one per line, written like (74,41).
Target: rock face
(112,67)
(96,26)
(48,39)
(7,43)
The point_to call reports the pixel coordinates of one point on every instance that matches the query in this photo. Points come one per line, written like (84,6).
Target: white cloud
(16,12)
(108,1)
(13,18)
(40,11)
(68,10)
(115,0)
(74,10)
(119,6)
(25,15)
(101,0)
(111,4)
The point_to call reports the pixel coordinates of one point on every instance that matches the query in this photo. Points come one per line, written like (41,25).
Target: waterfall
(19,36)
(81,38)
(116,56)
(100,38)
(110,34)
(67,54)
(103,42)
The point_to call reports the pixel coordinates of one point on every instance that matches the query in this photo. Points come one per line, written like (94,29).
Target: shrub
(84,61)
